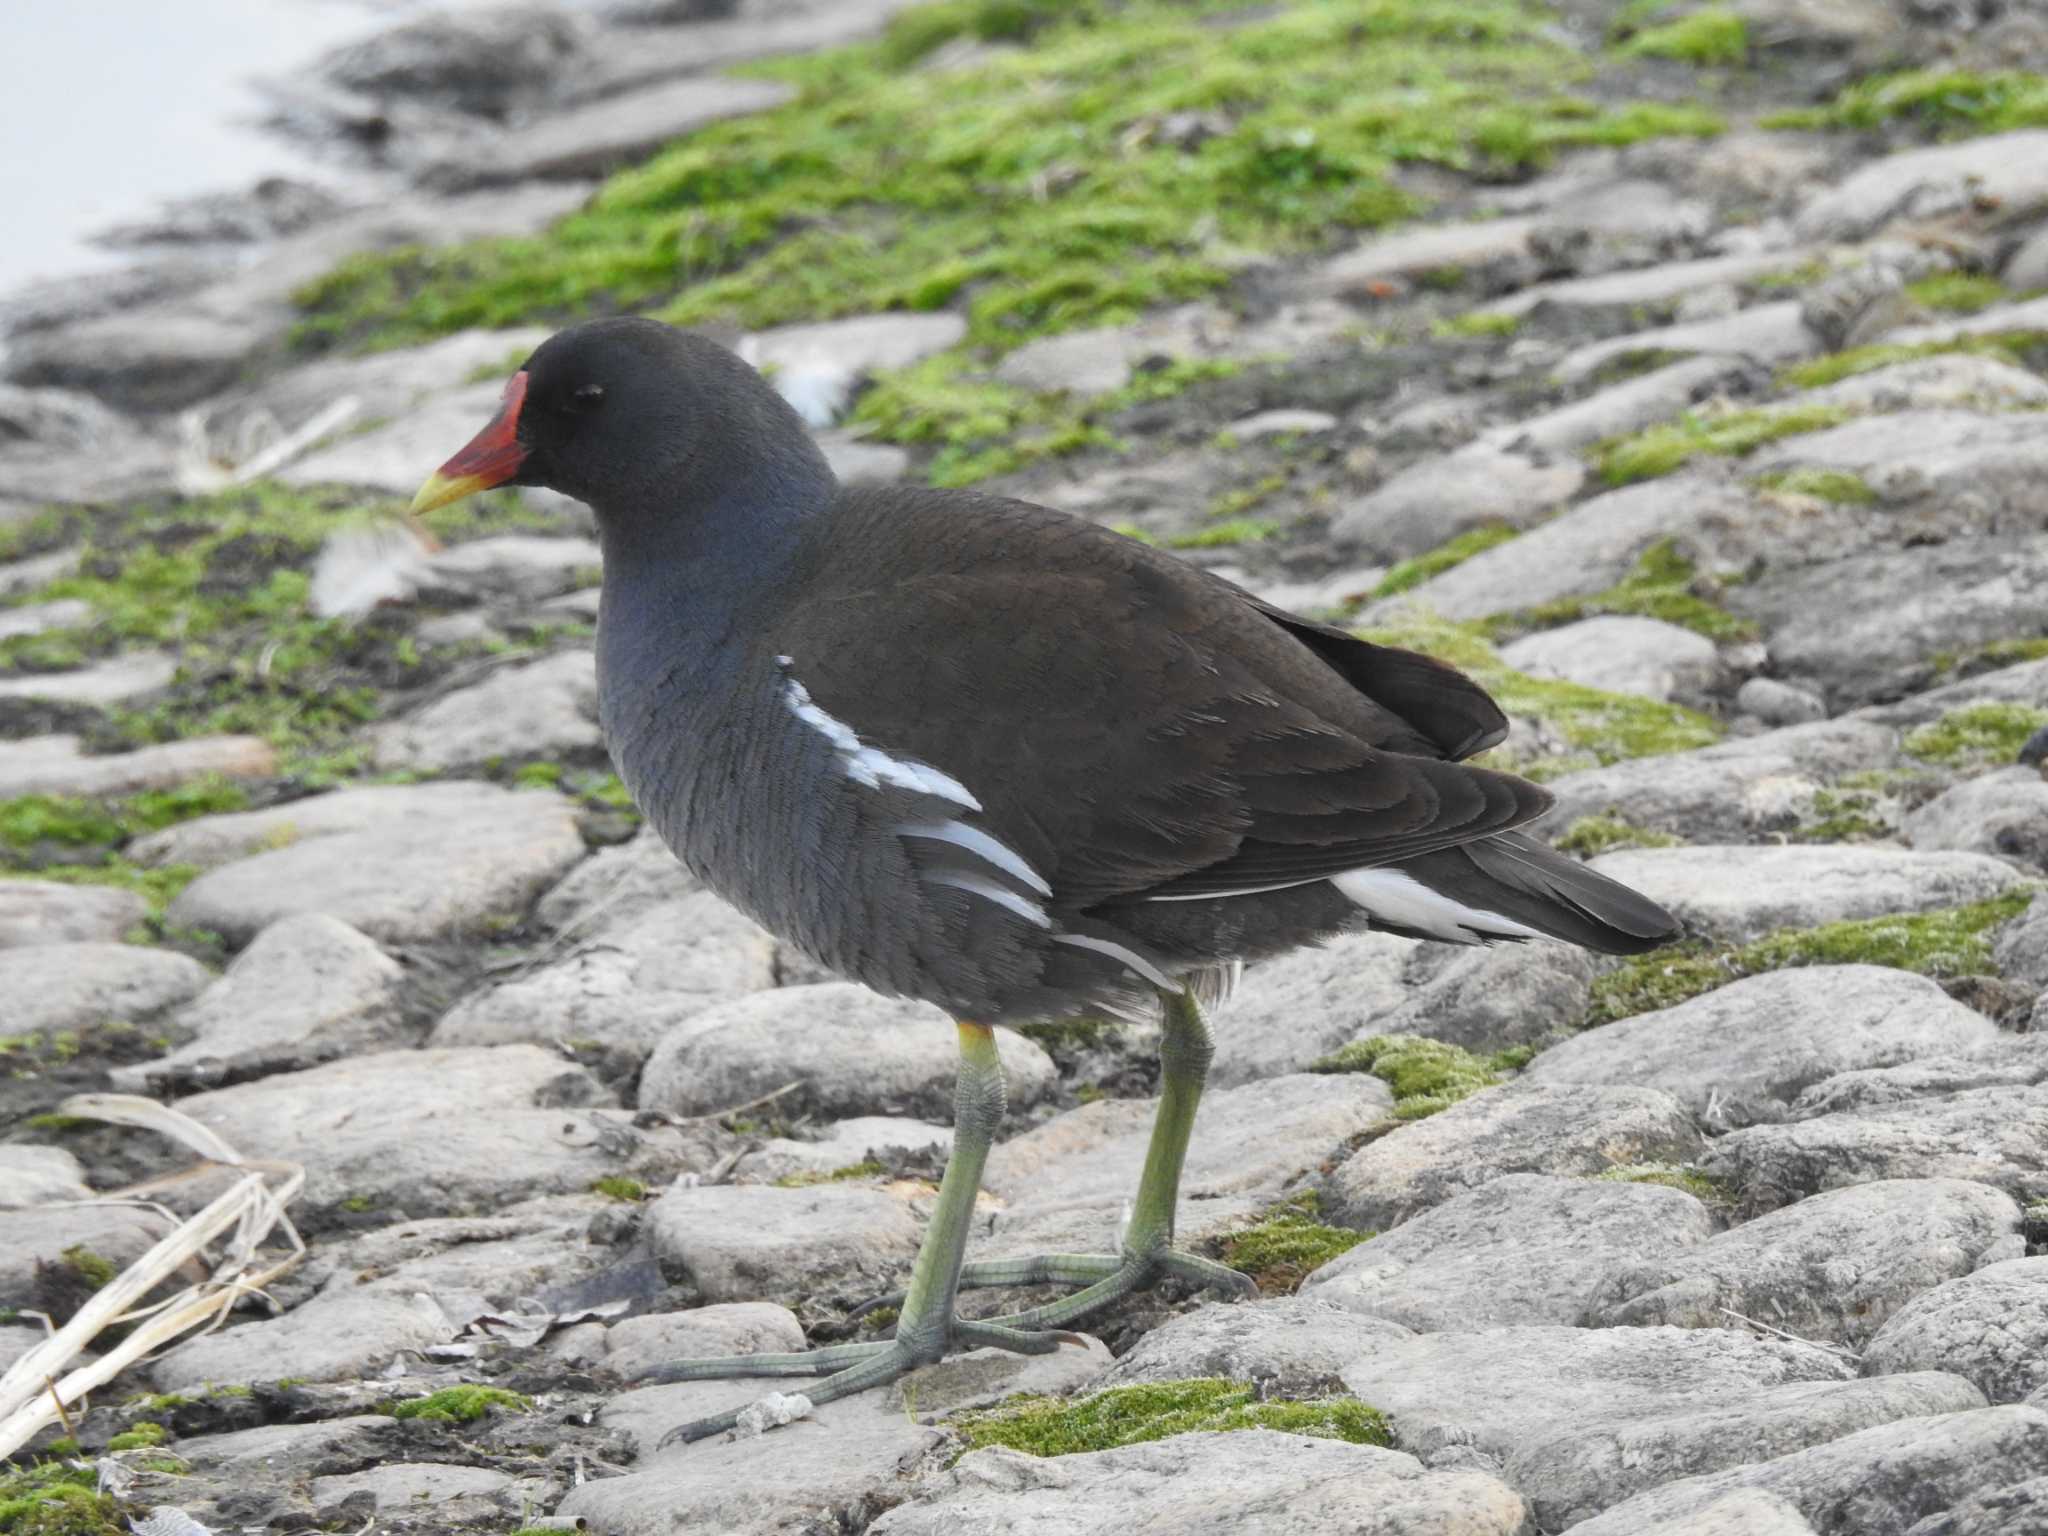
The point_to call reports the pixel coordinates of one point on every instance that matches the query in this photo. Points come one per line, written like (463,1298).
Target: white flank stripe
(1001,895)
(1256,890)
(979,843)
(1399,898)
(871,765)
(1131,958)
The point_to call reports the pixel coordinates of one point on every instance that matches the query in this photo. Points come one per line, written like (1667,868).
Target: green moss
(1479,322)
(1682,1176)
(1234,503)
(156,1402)
(1243,530)
(1957,293)
(1951,941)
(1426,1075)
(1952,103)
(1977,733)
(91,1267)
(1845,816)
(139,1437)
(1715,35)
(1659,450)
(1287,1244)
(1054,1426)
(614,1186)
(1452,552)
(1840,486)
(1662,586)
(32,820)
(158,886)
(461,1405)
(1590,836)
(538,776)
(1031,188)
(868,1168)
(52,1499)
(2006,346)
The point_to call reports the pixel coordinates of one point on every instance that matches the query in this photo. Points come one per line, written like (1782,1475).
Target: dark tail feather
(1520,878)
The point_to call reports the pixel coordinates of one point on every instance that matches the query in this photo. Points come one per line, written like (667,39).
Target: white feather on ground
(366,565)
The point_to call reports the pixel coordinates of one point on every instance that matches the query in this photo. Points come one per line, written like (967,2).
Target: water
(110,107)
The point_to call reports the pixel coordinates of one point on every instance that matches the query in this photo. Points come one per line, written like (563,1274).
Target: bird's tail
(1511,887)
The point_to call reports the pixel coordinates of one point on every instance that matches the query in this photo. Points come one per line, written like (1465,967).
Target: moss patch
(52,1499)
(867,1168)
(614,1186)
(1957,293)
(1035,189)
(1951,941)
(1451,553)
(1948,103)
(1591,836)
(1842,487)
(1478,323)
(1052,1426)
(1426,1075)
(1664,585)
(1659,450)
(1976,734)
(1715,35)
(461,1405)
(1287,1244)
(1682,1176)
(2006,346)
(139,1437)
(1241,530)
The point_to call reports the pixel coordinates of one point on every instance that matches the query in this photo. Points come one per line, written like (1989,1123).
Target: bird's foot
(1103,1278)
(846,1368)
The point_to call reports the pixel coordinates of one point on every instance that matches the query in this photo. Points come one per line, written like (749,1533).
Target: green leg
(927,1328)
(1148,1256)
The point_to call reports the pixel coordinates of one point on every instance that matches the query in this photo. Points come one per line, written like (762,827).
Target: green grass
(1452,552)
(1976,734)
(461,1405)
(1957,293)
(1951,941)
(1029,190)
(1659,450)
(1590,836)
(1949,103)
(1287,1244)
(1056,1426)
(1843,487)
(1604,727)
(2006,346)
(1660,587)
(1715,35)
(1425,1075)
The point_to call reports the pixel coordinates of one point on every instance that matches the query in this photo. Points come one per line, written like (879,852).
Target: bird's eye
(586,397)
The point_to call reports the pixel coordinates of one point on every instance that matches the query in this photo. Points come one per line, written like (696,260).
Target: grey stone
(38,571)
(41,618)
(1520,1127)
(1580,1419)
(2014,1509)
(1997,1136)
(486,62)
(2004,813)
(2022,948)
(387,458)
(760,1242)
(1440,498)
(1621,654)
(430,1132)
(1617,411)
(1209,1485)
(47,912)
(1777,703)
(1658,282)
(844,1144)
(1833,1267)
(1745,1052)
(618,59)
(1767,333)
(1745,1512)
(856,461)
(1498,243)
(815,367)
(1879,1479)
(141,360)
(1619,223)
(1961,380)
(616,885)
(526,566)
(1293,1346)
(852,1051)
(1991,1326)
(1999,170)
(415,1486)
(307,989)
(39,1176)
(1525,1248)
(1296,1007)
(1742,893)
(1976,467)
(340,1335)
(110,682)
(53,987)
(1281,423)
(275,1453)
(40,1235)
(401,862)
(544,709)
(2008,1060)
(600,136)
(53,765)
(636,1345)
(1071,1178)
(1489,998)
(628,985)
(499,1262)
(1095,362)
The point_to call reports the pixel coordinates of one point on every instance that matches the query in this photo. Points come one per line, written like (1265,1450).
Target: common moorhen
(978,752)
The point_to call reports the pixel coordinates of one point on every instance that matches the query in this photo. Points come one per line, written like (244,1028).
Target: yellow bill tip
(440,490)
